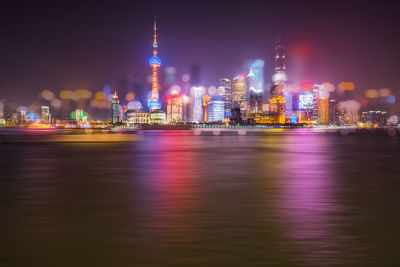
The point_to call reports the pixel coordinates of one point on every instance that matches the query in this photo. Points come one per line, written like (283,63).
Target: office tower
(137,117)
(316,96)
(197,93)
(306,102)
(323,110)
(277,109)
(175,108)
(46,116)
(257,68)
(333,116)
(115,109)
(225,87)
(280,76)
(215,111)
(239,92)
(155,62)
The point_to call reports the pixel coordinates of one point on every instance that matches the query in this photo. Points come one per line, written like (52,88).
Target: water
(176,199)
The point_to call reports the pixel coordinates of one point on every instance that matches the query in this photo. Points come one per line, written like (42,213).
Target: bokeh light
(371,93)
(212,90)
(384,92)
(135,105)
(391,99)
(346,86)
(186,78)
(47,95)
(328,87)
(83,94)
(99,96)
(175,89)
(130,96)
(68,94)
(56,103)
(364,103)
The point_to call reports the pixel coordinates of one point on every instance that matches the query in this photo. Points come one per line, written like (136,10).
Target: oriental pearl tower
(155,62)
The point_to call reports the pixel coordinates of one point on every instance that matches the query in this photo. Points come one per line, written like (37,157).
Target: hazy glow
(328,87)
(212,90)
(371,93)
(56,103)
(83,94)
(346,86)
(384,92)
(68,94)
(130,96)
(47,95)
(186,78)
(391,99)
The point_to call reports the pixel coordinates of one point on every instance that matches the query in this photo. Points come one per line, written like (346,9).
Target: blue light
(305,100)
(391,99)
(155,61)
(293,119)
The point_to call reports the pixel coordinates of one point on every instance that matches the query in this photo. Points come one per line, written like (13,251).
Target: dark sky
(73,45)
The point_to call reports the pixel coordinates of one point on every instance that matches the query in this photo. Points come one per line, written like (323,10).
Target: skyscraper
(197,103)
(155,62)
(256,86)
(215,111)
(280,78)
(46,117)
(115,109)
(225,88)
(175,108)
(239,92)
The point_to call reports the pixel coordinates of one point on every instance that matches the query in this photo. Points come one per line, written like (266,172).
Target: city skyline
(84,70)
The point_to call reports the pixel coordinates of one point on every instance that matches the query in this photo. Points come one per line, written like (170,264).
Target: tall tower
(155,62)
(280,62)
(115,109)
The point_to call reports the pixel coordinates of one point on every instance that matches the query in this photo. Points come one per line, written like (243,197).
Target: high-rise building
(257,68)
(46,116)
(225,88)
(277,109)
(280,77)
(115,109)
(155,62)
(315,109)
(333,116)
(323,110)
(215,111)
(239,92)
(197,103)
(175,108)
(255,102)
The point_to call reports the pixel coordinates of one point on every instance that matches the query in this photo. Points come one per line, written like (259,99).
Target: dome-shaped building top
(155,61)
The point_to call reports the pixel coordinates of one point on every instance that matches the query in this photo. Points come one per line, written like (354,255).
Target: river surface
(177,199)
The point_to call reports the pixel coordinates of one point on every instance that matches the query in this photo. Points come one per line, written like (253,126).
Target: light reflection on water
(177,199)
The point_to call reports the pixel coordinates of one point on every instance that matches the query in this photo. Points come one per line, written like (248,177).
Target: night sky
(72,45)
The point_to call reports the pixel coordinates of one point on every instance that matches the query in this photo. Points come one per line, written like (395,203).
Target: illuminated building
(155,62)
(22,117)
(323,110)
(46,116)
(226,93)
(216,111)
(257,68)
(175,108)
(306,102)
(80,115)
(333,113)
(197,103)
(115,109)
(239,92)
(277,109)
(280,75)
(315,110)
(137,117)
(374,118)
(158,117)
(255,102)
(206,100)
